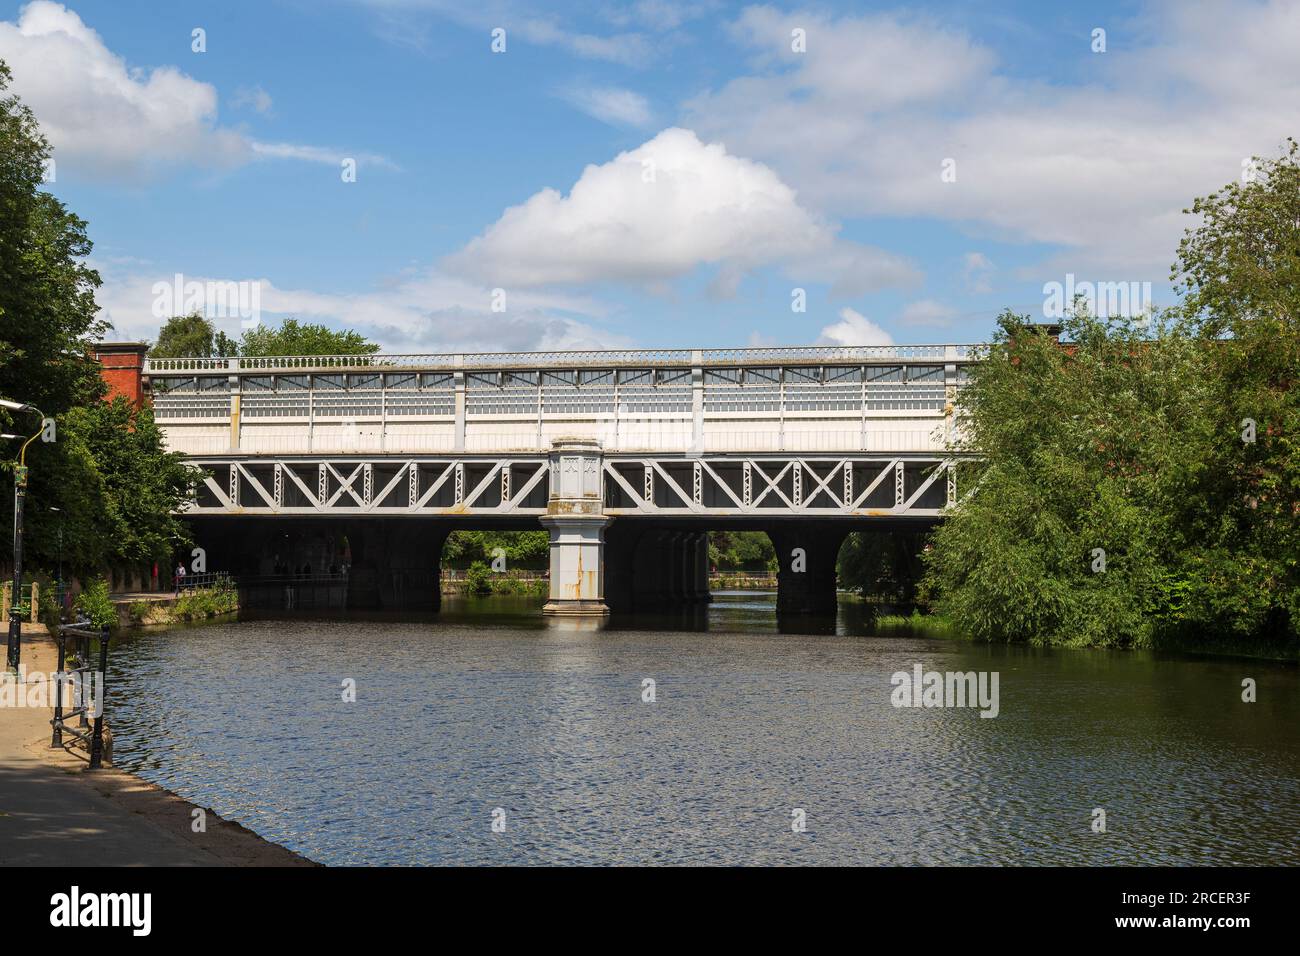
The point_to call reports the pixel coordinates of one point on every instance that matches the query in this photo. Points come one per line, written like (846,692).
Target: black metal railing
(88,709)
(214,579)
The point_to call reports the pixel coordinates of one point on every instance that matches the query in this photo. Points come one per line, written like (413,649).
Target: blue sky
(654,173)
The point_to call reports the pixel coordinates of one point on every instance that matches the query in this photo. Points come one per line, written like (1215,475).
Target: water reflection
(490,704)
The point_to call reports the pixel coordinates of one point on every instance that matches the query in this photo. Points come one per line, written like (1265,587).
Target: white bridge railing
(616,358)
(826,399)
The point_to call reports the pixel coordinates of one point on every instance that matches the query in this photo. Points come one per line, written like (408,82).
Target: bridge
(628,458)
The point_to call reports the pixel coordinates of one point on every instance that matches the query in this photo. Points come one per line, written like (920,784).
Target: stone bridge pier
(661,566)
(806,555)
(576,521)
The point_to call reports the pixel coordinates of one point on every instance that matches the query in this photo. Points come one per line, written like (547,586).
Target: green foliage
(201,603)
(914,625)
(106,473)
(142,485)
(93,604)
(47,303)
(186,335)
(1117,435)
(1131,440)
(744,580)
(478,579)
(195,335)
(524,550)
(885,566)
(748,551)
(294,338)
(1241,266)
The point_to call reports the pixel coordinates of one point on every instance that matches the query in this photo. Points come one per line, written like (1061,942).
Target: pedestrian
(180,577)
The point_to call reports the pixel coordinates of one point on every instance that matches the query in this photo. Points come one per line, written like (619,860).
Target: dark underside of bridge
(651,565)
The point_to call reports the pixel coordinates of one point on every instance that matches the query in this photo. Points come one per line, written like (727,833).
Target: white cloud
(976,271)
(1102,166)
(610,104)
(660,211)
(405,22)
(426,312)
(106,118)
(659,15)
(96,111)
(253,97)
(317,154)
(927,312)
(854,328)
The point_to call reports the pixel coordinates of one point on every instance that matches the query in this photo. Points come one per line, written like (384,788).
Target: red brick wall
(121,366)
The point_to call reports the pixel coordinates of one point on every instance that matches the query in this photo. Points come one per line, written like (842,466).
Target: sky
(504,176)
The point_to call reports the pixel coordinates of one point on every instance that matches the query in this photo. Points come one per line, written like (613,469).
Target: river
(759,747)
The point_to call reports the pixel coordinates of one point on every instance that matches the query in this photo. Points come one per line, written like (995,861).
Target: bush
(205,602)
(94,603)
(478,579)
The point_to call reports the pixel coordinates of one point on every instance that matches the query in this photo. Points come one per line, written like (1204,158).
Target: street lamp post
(14,648)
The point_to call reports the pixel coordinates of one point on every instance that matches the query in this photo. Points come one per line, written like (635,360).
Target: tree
(185,336)
(885,565)
(106,488)
(47,303)
(1142,485)
(47,319)
(1073,527)
(293,338)
(523,550)
(749,551)
(224,346)
(1240,271)
(143,485)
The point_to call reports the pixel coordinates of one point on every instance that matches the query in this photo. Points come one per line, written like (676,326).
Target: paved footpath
(55,812)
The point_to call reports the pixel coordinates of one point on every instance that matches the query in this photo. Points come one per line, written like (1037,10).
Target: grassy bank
(197,605)
(936,625)
(740,581)
(916,625)
(481,580)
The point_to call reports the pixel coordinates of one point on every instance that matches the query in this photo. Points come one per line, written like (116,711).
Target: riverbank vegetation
(509,550)
(745,553)
(479,579)
(93,605)
(883,566)
(1140,482)
(105,492)
(201,603)
(915,624)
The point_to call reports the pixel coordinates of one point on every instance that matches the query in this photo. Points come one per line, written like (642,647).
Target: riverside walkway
(54,812)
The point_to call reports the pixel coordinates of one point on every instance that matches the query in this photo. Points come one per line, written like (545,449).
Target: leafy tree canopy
(195,335)
(523,550)
(105,490)
(295,338)
(47,293)
(192,336)
(1143,482)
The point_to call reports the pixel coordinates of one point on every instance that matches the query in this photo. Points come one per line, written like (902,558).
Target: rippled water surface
(489,706)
